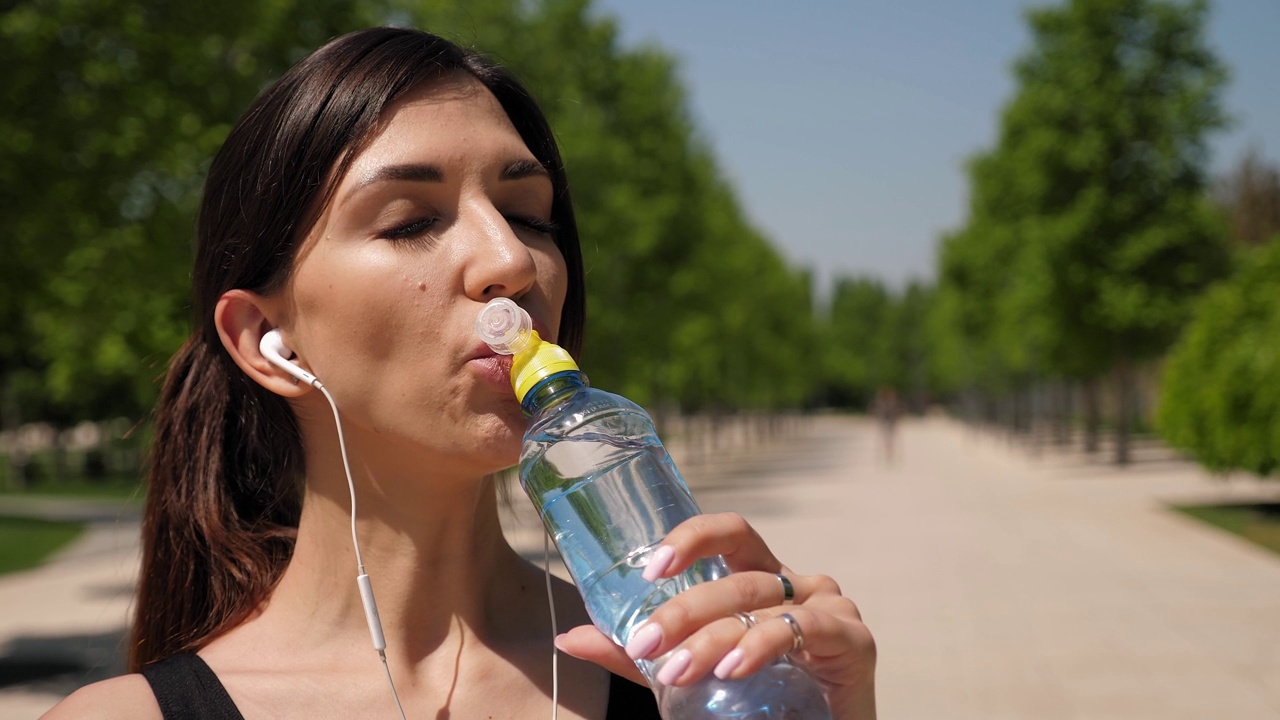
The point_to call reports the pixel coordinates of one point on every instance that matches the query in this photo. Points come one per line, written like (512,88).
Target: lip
(494,368)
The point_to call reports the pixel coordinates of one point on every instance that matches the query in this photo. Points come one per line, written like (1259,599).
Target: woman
(367,205)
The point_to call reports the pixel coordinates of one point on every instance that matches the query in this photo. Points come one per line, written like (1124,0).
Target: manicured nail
(675,666)
(728,663)
(658,563)
(559,641)
(646,640)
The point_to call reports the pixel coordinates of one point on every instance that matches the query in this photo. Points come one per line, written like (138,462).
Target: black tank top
(187,689)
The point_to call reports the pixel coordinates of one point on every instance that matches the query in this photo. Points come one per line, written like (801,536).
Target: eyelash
(546,227)
(410,230)
(418,228)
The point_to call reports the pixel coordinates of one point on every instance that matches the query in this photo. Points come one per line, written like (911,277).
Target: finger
(726,534)
(774,637)
(704,603)
(585,642)
(701,652)
(823,637)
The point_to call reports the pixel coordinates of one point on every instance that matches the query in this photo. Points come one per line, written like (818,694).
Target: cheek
(366,305)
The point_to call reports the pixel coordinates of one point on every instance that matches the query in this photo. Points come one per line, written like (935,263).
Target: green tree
(912,357)
(114,109)
(113,112)
(1221,386)
(857,342)
(875,338)
(1091,208)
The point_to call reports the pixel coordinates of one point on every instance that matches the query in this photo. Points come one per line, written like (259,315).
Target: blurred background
(1057,223)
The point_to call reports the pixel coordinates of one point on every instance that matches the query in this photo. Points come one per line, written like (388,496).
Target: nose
(499,263)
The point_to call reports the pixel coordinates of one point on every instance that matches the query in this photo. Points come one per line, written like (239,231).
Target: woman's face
(443,211)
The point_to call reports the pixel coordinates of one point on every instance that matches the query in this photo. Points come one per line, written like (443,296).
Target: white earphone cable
(555,653)
(362,579)
(346,467)
(371,610)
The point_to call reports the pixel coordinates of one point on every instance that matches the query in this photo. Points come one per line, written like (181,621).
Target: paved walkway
(62,625)
(998,586)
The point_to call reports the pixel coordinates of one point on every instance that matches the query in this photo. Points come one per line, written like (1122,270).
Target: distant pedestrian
(886,409)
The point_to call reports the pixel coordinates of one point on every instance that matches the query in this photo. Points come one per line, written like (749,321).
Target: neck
(432,545)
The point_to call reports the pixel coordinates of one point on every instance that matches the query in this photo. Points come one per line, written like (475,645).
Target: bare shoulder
(127,696)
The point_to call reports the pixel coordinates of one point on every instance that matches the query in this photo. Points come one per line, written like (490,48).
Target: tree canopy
(1089,233)
(115,108)
(1221,390)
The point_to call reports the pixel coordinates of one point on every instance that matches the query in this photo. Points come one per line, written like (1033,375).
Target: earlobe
(242,323)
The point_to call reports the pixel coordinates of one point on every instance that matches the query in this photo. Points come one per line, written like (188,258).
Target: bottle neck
(552,390)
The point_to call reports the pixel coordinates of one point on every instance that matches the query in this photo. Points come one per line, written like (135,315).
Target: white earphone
(274,350)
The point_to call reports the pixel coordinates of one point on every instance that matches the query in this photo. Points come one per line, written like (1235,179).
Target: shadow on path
(60,664)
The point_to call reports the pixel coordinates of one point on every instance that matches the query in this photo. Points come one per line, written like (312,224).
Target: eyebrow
(413,172)
(419,172)
(521,169)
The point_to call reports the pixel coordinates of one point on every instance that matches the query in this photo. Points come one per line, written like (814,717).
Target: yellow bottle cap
(538,361)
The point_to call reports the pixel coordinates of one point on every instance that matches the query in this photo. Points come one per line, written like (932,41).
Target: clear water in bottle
(608,493)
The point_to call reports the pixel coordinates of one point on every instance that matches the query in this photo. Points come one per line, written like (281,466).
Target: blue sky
(844,125)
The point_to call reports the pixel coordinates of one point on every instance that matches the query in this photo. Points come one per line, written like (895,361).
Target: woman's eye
(546,227)
(409,230)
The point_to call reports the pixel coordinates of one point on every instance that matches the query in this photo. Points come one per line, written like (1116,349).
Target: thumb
(585,642)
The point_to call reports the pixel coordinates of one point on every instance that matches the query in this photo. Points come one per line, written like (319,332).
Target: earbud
(273,349)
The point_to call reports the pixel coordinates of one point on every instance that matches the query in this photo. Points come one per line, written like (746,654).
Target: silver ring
(797,637)
(788,590)
(748,620)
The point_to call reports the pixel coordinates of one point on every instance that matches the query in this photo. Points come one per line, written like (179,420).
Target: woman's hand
(702,623)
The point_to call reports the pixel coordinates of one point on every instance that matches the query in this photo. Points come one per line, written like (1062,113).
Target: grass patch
(113,488)
(26,542)
(1258,523)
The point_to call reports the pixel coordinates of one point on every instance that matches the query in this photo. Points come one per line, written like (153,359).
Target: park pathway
(997,585)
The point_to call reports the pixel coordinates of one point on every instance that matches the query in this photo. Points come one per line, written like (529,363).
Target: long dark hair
(223,497)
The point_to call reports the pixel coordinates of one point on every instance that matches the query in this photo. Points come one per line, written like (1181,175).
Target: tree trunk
(1092,417)
(60,460)
(1062,413)
(1124,409)
(10,417)
(1035,412)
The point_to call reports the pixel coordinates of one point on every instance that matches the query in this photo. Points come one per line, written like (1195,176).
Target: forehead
(444,122)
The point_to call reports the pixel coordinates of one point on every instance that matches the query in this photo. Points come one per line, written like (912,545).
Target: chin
(503,440)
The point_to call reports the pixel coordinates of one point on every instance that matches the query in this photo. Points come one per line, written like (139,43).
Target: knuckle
(848,608)
(676,616)
(736,524)
(827,584)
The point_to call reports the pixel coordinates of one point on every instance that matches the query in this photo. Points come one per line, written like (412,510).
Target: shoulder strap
(187,689)
(629,701)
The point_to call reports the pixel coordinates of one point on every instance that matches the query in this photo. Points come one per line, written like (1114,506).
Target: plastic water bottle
(608,494)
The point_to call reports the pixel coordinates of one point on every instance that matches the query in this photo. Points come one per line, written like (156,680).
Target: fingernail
(728,663)
(659,562)
(646,640)
(675,667)
(559,641)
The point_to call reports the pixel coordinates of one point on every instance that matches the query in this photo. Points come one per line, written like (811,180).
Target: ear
(241,319)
